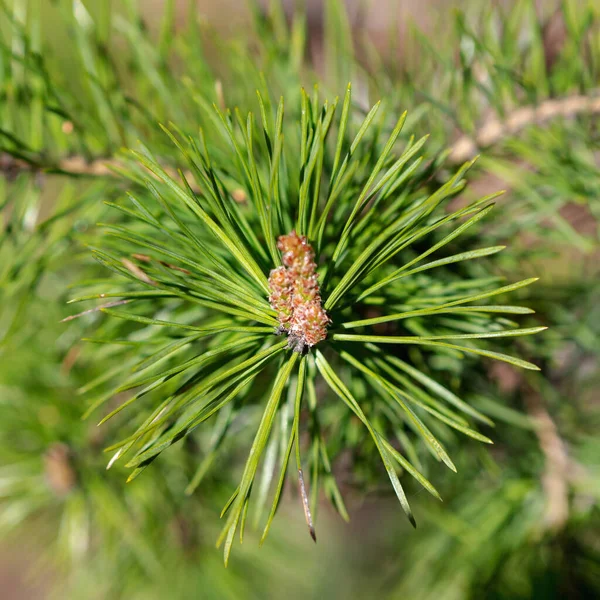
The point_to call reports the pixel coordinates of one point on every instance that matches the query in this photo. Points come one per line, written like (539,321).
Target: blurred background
(518,81)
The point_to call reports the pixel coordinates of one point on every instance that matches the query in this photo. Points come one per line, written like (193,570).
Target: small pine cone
(310,322)
(297,252)
(281,293)
(306,289)
(295,294)
(307,266)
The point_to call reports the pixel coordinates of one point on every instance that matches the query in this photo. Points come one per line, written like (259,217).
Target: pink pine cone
(295,294)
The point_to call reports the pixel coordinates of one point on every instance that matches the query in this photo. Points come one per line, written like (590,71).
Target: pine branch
(207,268)
(196,341)
(496,130)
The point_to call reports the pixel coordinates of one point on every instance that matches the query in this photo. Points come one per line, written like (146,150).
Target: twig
(495,130)
(59,469)
(77,166)
(70,359)
(556,476)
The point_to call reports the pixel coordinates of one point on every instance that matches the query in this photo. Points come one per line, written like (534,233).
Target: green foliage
(511,85)
(236,146)
(200,295)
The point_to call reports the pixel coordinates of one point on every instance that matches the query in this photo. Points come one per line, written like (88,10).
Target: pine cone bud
(295,294)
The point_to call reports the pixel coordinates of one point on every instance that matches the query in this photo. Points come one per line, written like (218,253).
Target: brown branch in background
(59,469)
(11,166)
(77,166)
(560,470)
(557,473)
(465,148)
(70,359)
(495,130)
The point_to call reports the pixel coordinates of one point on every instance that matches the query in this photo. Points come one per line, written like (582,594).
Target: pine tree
(277,266)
